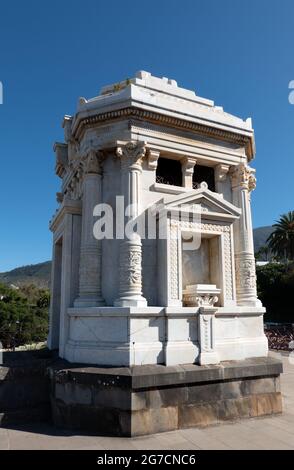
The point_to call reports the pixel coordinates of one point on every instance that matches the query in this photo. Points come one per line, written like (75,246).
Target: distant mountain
(37,274)
(260,236)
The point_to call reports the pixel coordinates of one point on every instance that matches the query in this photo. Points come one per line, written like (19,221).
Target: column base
(207,358)
(81,302)
(250,303)
(136,301)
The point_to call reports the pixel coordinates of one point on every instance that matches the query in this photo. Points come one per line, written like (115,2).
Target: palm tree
(281,241)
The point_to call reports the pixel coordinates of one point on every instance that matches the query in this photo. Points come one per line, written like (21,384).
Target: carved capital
(132,153)
(252,181)
(92,162)
(243,177)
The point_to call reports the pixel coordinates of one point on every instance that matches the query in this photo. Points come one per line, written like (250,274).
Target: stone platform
(24,386)
(149,399)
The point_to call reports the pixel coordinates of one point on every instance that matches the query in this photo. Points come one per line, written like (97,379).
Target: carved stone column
(243,182)
(130,263)
(90,256)
(187,171)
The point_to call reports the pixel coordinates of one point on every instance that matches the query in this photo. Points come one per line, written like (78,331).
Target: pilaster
(206,328)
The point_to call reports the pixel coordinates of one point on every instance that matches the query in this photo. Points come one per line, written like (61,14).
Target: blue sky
(238,53)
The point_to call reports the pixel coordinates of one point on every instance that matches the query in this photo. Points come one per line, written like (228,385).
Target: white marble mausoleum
(123,301)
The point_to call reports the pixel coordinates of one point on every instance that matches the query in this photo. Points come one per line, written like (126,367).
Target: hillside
(261,235)
(37,274)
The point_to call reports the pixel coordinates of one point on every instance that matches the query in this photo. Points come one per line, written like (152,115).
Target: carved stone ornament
(245,273)
(130,264)
(91,163)
(135,151)
(252,182)
(153,156)
(206,300)
(221,172)
(201,295)
(243,176)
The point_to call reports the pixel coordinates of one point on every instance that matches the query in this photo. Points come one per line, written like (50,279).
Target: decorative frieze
(132,112)
(245,273)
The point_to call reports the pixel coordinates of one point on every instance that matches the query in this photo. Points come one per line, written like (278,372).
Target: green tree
(263,254)
(281,241)
(23,317)
(275,283)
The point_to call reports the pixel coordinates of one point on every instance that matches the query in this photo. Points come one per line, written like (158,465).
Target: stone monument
(153,277)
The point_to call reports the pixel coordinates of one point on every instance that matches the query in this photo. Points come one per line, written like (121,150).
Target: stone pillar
(130,262)
(187,171)
(90,255)
(206,328)
(243,182)
(221,172)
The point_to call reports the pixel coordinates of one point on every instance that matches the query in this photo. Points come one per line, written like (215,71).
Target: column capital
(243,176)
(92,162)
(131,153)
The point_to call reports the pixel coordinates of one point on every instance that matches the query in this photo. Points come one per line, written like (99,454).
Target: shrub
(23,315)
(275,284)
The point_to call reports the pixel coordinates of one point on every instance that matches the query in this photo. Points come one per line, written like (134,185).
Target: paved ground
(275,432)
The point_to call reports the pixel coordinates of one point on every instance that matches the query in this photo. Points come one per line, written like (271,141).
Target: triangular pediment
(209,203)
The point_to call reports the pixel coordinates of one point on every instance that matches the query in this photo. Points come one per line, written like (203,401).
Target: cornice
(68,206)
(133,112)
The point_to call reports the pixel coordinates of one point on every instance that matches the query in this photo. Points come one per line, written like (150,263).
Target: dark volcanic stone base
(149,399)
(25,387)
